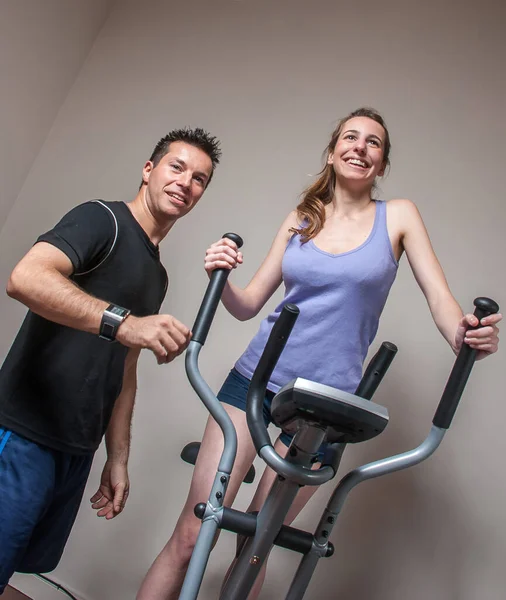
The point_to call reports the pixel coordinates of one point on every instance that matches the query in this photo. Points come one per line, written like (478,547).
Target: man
(94,285)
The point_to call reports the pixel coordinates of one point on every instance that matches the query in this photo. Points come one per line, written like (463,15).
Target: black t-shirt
(58,385)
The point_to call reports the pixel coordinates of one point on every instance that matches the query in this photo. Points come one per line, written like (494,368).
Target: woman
(337,255)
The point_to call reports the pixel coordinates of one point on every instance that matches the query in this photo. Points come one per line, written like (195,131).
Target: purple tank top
(340,297)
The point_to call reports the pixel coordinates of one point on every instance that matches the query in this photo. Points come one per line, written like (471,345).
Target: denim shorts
(40,493)
(234,391)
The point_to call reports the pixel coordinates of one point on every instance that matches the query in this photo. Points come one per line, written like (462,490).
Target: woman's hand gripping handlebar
(212,298)
(461,370)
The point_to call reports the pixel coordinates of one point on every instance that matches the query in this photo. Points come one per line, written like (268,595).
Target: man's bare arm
(41,282)
(117,437)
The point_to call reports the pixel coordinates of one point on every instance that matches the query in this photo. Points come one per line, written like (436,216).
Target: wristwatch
(111,319)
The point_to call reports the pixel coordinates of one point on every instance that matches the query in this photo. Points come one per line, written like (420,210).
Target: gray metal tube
(309,561)
(256,549)
(384,467)
(375,469)
(283,492)
(297,473)
(213,405)
(203,546)
(303,575)
(199,559)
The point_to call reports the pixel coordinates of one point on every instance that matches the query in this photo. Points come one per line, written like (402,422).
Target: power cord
(55,585)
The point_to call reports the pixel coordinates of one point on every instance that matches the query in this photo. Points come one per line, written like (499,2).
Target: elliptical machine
(313,413)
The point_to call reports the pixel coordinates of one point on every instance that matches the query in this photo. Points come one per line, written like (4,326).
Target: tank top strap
(381,207)
(381,234)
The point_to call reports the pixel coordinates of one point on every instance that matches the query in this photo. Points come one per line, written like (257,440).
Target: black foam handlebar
(461,370)
(376,370)
(270,356)
(212,298)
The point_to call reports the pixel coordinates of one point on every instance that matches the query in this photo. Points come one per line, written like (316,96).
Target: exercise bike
(313,413)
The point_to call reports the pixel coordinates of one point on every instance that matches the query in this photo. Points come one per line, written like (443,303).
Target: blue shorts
(234,391)
(40,493)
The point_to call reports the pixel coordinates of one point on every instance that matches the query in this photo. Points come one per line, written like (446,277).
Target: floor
(11,594)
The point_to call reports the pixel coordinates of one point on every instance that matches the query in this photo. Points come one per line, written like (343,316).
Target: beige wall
(42,48)
(270,79)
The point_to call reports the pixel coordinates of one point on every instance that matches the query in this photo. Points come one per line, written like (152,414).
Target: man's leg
(51,533)
(26,485)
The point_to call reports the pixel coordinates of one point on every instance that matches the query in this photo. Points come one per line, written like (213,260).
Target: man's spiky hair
(197,137)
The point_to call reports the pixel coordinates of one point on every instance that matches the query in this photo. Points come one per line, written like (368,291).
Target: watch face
(117,310)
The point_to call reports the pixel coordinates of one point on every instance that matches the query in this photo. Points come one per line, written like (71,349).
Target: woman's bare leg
(166,575)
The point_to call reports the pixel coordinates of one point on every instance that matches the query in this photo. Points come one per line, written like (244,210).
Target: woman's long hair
(311,210)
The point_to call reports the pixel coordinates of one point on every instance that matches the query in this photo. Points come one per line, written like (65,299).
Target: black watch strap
(111,319)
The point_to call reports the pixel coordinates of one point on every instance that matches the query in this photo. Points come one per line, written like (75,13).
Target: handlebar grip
(376,370)
(461,370)
(270,356)
(212,297)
